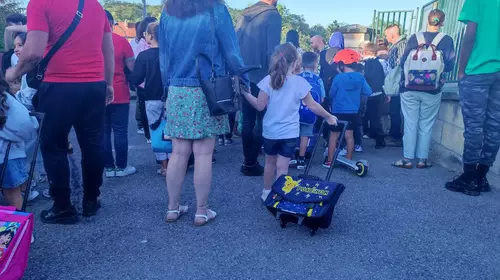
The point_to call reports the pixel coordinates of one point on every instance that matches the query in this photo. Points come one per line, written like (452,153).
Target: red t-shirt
(123,51)
(80,59)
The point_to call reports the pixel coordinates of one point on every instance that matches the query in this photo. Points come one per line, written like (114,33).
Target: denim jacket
(181,40)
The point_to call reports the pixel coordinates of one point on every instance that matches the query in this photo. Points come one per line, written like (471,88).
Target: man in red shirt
(116,117)
(78,83)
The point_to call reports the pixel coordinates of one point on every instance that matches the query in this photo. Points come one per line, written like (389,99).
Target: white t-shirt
(281,120)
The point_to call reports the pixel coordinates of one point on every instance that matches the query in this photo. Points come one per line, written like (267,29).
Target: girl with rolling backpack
(282,93)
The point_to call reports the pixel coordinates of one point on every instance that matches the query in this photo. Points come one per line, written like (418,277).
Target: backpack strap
(420,38)
(439,37)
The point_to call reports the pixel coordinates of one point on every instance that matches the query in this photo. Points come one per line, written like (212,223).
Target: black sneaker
(252,170)
(301,164)
(90,207)
(464,184)
(55,215)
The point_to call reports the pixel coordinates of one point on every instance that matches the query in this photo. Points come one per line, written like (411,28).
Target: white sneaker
(110,172)
(129,170)
(46,193)
(33,183)
(140,131)
(343,153)
(220,142)
(366,137)
(325,154)
(148,141)
(358,149)
(265,194)
(33,195)
(32,239)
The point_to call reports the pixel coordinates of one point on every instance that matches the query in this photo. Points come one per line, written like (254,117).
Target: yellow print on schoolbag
(290,184)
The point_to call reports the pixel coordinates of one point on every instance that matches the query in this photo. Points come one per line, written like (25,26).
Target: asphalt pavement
(392,224)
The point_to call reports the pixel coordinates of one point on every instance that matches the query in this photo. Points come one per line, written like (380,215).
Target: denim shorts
(283,147)
(15,173)
(306,130)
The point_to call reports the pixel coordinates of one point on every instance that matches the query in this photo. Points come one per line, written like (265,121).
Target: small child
(375,76)
(147,69)
(346,93)
(308,118)
(282,93)
(16,127)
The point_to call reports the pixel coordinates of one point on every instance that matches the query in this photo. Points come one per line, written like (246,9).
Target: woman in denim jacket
(186,31)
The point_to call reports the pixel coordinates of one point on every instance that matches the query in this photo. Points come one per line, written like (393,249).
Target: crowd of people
(87,83)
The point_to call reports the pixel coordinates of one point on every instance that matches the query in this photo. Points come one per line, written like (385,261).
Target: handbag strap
(65,36)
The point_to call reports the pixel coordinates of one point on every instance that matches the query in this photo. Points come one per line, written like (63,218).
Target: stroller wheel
(362,169)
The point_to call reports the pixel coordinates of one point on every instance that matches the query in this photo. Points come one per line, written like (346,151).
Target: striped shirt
(396,51)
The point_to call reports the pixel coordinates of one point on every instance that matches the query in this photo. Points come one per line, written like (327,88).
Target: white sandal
(181,210)
(205,217)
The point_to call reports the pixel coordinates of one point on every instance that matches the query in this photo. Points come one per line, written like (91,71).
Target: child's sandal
(182,209)
(403,163)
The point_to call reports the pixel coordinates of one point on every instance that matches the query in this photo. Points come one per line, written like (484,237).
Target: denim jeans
(116,121)
(251,132)
(420,110)
(67,105)
(395,112)
(480,100)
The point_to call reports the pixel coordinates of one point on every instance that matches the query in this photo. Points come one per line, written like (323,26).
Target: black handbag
(35,77)
(223,93)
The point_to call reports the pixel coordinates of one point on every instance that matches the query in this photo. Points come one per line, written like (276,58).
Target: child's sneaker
(327,164)
(325,154)
(122,172)
(148,141)
(42,178)
(358,148)
(301,164)
(343,153)
(228,142)
(110,172)
(33,195)
(140,131)
(220,142)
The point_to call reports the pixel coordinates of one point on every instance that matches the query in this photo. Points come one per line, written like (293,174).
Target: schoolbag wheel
(362,169)
(282,223)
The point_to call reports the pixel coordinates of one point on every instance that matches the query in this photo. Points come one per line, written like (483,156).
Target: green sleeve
(470,12)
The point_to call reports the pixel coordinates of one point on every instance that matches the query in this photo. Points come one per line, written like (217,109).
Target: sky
(326,11)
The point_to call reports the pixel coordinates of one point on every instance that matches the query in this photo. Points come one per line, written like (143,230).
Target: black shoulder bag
(35,77)
(223,93)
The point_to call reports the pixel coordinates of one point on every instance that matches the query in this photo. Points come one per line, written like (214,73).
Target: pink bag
(16,229)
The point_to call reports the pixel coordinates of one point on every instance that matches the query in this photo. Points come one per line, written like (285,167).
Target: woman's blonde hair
(283,57)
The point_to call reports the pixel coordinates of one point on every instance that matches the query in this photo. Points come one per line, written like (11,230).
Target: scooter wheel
(362,169)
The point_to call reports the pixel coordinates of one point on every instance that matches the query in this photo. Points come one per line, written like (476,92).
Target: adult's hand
(110,95)
(11,75)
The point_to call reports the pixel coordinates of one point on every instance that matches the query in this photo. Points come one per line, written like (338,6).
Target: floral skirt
(188,116)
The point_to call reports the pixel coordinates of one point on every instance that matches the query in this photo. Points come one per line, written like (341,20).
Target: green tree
(235,15)
(9,7)
(318,29)
(123,11)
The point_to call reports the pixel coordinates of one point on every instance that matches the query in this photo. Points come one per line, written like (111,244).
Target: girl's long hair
(283,57)
(4,86)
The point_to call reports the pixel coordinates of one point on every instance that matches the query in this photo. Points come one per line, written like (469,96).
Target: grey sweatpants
(480,100)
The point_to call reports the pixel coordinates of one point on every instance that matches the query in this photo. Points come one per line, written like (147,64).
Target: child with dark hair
(16,127)
(346,92)
(375,76)
(282,93)
(307,118)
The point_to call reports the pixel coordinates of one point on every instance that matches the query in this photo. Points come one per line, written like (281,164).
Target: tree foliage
(130,11)
(9,7)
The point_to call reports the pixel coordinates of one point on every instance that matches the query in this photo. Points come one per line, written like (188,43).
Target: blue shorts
(15,173)
(306,130)
(282,147)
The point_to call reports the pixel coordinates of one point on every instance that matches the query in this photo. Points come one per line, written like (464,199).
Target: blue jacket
(181,40)
(346,92)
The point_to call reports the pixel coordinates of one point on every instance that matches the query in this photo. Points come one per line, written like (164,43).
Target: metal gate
(407,21)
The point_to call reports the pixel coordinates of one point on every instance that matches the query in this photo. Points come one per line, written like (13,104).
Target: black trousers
(67,105)
(373,114)
(251,132)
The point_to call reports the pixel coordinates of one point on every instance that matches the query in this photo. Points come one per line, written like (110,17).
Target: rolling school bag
(306,200)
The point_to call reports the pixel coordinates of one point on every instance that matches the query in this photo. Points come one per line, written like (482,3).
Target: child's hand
(332,120)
